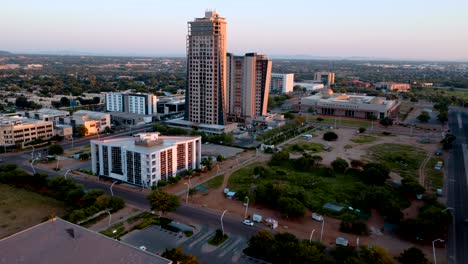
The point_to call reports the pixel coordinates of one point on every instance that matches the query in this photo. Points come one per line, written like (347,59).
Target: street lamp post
(246,206)
(66,173)
(112,185)
(110,218)
(311,234)
(188,191)
(32,153)
(32,166)
(57,157)
(433,248)
(448,208)
(321,232)
(222,226)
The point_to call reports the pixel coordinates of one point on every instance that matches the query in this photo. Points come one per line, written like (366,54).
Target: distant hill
(4,53)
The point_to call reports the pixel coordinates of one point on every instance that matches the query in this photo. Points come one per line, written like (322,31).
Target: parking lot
(156,240)
(215,150)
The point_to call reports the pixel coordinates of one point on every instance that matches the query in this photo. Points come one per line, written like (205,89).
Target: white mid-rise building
(134,103)
(146,158)
(114,102)
(281,83)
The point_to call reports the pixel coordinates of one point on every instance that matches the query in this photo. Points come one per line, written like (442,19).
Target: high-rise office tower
(206,70)
(248,85)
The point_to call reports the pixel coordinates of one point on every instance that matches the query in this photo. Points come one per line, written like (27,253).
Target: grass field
(438,92)
(435,177)
(364,139)
(21,209)
(303,146)
(215,182)
(403,159)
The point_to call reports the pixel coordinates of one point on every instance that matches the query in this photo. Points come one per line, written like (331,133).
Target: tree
(375,173)
(55,149)
(219,158)
(22,102)
(279,157)
(84,156)
(412,255)
(330,136)
(290,207)
(339,165)
(317,159)
(410,185)
(107,130)
(362,130)
(375,255)
(424,117)
(163,202)
(64,101)
(177,256)
(207,163)
(81,130)
(442,116)
(386,121)
(320,119)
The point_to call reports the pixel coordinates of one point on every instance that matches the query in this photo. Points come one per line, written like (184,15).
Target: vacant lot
(21,209)
(404,159)
(313,186)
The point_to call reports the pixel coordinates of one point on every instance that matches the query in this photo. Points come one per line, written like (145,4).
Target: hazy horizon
(386,30)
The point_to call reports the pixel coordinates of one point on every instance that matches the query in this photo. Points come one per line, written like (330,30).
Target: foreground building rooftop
(58,241)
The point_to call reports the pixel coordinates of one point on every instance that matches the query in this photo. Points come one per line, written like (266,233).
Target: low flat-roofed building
(65,131)
(207,128)
(130,119)
(146,158)
(393,86)
(57,241)
(17,129)
(350,105)
(47,114)
(95,122)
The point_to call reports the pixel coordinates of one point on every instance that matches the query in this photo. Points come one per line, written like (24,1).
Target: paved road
(200,216)
(457,168)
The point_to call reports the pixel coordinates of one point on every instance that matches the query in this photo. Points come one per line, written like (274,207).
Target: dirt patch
(63,162)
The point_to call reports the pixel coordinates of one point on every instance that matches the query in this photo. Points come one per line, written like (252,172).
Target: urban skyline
(428,30)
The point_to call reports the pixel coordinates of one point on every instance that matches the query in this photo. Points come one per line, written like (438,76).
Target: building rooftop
(91,114)
(18,120)
(49,111)
(350,98)
(58,241)
(128,115)
(147,142)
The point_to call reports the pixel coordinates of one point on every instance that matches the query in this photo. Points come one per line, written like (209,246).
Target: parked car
(438,152)
(248,222)
(317,217)
(143,248)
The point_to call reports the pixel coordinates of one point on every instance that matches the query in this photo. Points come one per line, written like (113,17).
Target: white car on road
(317,217)
(248,222)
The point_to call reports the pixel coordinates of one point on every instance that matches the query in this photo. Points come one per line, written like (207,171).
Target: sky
(393,29)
